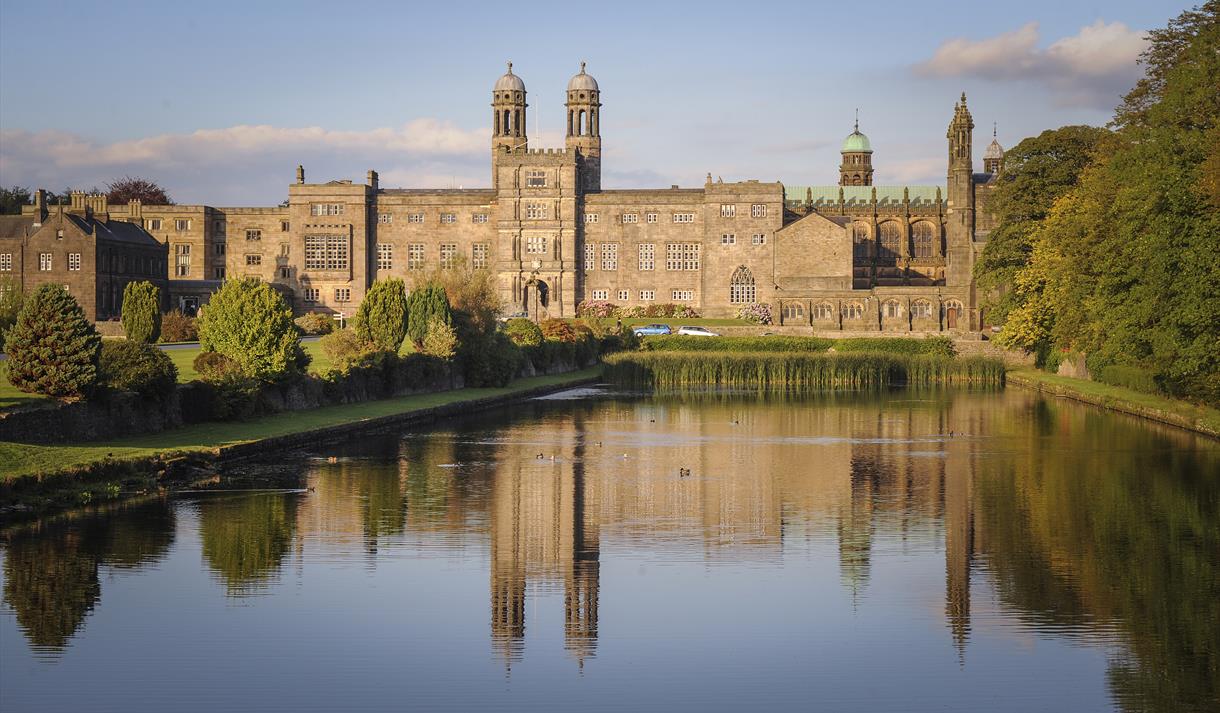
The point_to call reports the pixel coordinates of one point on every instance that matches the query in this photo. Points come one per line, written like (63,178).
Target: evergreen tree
(53,349)
(382,317)
(425,304)
(249,322)
(142,312)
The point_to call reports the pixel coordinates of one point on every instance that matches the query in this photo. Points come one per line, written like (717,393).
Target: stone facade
(852,257)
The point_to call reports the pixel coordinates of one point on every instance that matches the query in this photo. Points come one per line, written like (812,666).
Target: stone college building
(851,257)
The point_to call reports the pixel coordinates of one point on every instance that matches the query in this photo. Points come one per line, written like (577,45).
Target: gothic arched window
(741,286)
(891,241)
(861,242)
(793,310)
(892,309)
(922,237)
(853,310)
(824,312)
(921,309)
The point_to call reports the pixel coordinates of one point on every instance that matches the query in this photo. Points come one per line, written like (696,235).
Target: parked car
(647,329)
(697,332)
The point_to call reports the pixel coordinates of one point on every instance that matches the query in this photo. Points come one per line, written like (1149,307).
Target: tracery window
(862,242)
(921,309)
(853,310)
(891,241)
(922,239)
(892,309)
(793,310)
(741,286)
(824,311)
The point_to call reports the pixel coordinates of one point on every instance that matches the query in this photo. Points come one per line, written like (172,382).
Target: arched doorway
(536,297)
(953,310)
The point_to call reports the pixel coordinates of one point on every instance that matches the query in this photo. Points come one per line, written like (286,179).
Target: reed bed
(797,371)
(942,346)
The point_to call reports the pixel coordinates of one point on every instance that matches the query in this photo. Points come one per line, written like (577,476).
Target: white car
(697,332)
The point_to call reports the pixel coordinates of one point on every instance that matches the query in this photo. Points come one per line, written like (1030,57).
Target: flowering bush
(599,309)
(755,313)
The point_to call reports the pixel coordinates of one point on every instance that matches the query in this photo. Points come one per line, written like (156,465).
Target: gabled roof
(15,226)
(116,230)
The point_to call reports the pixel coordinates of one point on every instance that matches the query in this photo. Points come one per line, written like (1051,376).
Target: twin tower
(583,122)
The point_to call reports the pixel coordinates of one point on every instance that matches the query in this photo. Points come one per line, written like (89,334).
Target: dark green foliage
(936,346)
(523,332)
(942,346)
(13,198)
(315,323)
(426,303)
(177,327)
(1130,377)
(214,366)
(142,312)
(248,321)
(382,317)
(10,306)
(346,349)
(53,349)
(125,365)
(795,372)
(490,359)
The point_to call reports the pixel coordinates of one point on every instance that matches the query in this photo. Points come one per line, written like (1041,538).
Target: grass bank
(797,371)
(1200,419)
(20,460)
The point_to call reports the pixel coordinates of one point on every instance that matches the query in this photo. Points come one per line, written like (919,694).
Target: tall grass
(942,346)
(797,371)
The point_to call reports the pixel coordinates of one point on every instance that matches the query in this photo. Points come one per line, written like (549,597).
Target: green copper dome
(856,143)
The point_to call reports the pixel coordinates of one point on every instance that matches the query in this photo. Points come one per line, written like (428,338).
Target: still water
(951,550)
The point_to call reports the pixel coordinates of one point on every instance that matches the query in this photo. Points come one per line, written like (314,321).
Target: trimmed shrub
(248,321)
(382,317)
(490,359)
(214,367)
(557,330)
(126,365)
(1129,377)
(441,340)
(523,332)
(53,349)
(426,303)
(938,346)
(315,323)
(142,312)
(345,349)
(178,327)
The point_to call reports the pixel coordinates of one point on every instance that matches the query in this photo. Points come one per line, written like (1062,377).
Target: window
(218,248)
(728,239)
(343,294)
(182,224)
(448,253)
(648,256)
(684,217)
(650,217)
(683,295)
(921,309)
(891,240)
(741,286)
(326,252)
(758,239)
(535,210)
(648,295)
(624,295)
(74,261)
(154,223)
(448,218)
(824,311)
(44,262)
(601,294)
(590,217)
(415,256)
(326,209)
(284,225)
(793,310)
(285,273)
(535,179)
(891,309)
(254,235)
(478,218)
(535,244)
(254,259)
(385,256)
(921,236)
(728,210)
(6,262)
(631,217)
(590,257)
(311,294)
(609,256)
(218,227)
(478,256)
(385,218)
(218,273)
(759,210)
(682,256)
(59,235)
(285,248)
(853,310)
(415,217)
(862,243)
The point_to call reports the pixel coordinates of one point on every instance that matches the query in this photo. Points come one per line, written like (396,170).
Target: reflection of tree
(1078,530)
(246,537)
(51,575)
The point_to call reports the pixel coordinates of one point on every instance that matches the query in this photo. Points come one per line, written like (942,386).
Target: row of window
(678,256)
(448,256)
(644,295)
(342,294)
(180,224)
(889,242)
(891,309)
(445,218)
(648,217)
(755,239)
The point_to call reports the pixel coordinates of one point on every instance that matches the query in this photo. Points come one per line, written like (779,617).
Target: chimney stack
(300,174)
(40,206)
(372,179)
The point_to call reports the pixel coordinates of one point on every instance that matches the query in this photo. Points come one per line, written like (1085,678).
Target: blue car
(648,329)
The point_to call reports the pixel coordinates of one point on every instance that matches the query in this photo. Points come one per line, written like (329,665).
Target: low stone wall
(117,414)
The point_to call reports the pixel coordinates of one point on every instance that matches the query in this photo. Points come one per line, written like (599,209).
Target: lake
(947,550)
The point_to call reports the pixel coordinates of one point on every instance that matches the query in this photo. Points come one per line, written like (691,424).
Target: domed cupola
(582,82)
(508,112)
(993,157)
(857,166)
(509,82)
(584,127)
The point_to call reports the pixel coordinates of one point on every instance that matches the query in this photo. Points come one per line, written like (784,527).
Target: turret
(507,117)
(959,224)
(584,127)
(857,166)
(993,157)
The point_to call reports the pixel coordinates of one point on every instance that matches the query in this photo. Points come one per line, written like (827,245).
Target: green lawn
(1122,399)
(20,459)
(184,359)
(10,397)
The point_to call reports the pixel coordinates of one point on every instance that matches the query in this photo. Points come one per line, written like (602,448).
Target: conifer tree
(382,317)
(142,312)
(53,349)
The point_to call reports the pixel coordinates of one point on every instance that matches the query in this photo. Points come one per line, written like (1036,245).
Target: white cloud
(1093,67)
(246,164)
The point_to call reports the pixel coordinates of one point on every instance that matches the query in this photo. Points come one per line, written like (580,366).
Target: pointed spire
(963,99)
(994,128)
(857,129)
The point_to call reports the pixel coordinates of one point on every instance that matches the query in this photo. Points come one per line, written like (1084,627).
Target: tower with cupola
(857,166)
(583,124)
(508,119)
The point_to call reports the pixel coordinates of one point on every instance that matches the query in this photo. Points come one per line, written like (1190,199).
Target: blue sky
(219,101)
